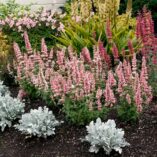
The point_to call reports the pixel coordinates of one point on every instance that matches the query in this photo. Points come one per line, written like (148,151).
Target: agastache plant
(145,33)
(63,74)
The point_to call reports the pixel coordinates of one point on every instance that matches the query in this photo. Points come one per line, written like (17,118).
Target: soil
(66,143)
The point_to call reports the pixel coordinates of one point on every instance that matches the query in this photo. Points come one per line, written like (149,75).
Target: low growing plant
(106,136)
(10,110)
(81,112)
(127,112)
(39,122)
(3,89)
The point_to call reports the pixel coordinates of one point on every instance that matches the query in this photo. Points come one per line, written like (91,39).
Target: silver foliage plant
(3,89)
(10,110)
(106,136)
(39,122)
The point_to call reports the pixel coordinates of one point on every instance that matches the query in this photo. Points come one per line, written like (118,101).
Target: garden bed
(67,143)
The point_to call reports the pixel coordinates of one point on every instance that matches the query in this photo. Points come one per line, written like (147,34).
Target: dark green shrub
(127,112)
(77,112)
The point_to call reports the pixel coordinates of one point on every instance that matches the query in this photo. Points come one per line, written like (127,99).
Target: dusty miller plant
(106,136)
(3,89)
(10,110)
(39,122)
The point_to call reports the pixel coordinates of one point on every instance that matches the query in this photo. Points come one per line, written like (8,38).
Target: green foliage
(127,112)
(85,35)
(80,32)
(12,8)
(17,18)
(30,89)
(153,78)
(77,112)
(35,93)
(35,36)
(138,5)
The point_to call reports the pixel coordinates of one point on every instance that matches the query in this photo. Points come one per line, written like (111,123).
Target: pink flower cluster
(61,73)
(64,73)
(145,32)
(128,84)
(28,21)
(136,83)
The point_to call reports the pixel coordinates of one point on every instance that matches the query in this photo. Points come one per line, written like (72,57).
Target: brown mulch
(66,143)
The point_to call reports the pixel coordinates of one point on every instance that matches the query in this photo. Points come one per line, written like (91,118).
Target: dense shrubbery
(84,82)
(100,61)
(40,24)
(84,28)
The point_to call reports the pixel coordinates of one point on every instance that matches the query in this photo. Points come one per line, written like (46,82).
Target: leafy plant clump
(78,112)
(39,122)
(127,112)
(10,110)
(106,136)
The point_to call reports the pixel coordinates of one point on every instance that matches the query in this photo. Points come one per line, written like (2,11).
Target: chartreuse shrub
(10,110)
(84,28)
(39,122)
(106,136)
(4,53)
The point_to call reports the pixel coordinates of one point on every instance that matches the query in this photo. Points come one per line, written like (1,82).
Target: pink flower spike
(131,47)
(21,94)
(111,79)
(109,95)
(138,98)
(86,55)
(128,99)
(108,30)
(115,52)
(17,52)
(134,66)
(44,47)
(27,42)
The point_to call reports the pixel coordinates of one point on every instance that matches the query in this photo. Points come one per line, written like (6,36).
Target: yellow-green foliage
(83,28)
(108,9)
(81,8)
(4,51)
